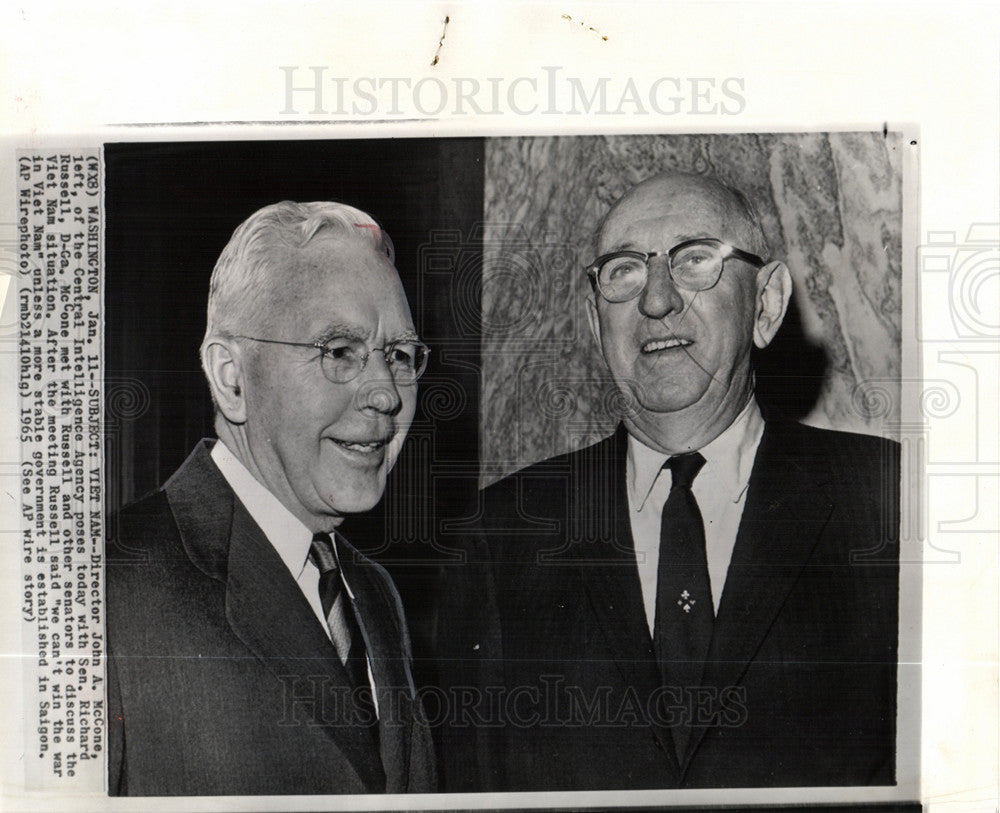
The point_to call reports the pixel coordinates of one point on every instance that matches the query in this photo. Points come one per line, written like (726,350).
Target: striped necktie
(339,611)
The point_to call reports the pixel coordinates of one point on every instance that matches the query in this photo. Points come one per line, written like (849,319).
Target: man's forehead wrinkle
(356,331)
(342,329)
(669,225)
(673,211)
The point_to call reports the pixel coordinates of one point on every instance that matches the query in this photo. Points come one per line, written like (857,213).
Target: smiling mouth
(362,447)
(658,345)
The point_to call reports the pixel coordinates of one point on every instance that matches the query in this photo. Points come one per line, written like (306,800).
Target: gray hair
(238,291)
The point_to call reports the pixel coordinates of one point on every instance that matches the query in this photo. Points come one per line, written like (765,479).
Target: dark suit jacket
(800,681)
(221,678)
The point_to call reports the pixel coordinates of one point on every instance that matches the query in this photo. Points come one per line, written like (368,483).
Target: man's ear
(223,361)
(595,322)
(774,291)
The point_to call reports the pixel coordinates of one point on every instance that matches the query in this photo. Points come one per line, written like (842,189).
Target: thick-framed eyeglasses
(693,265)
(344,358)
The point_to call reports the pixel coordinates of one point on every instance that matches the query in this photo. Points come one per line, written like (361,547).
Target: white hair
(247,268)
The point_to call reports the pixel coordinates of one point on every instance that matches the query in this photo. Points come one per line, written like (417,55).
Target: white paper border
(72,74)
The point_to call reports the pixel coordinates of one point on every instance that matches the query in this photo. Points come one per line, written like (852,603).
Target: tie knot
(322,554)
(684,468)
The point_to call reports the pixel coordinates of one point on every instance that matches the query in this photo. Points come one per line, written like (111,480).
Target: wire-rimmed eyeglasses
(344,358)
(693,265)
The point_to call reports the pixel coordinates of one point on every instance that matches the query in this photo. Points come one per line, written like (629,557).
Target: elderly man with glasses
(706,598)
(252,649)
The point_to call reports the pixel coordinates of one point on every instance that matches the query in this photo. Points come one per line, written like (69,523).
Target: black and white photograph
(486,372)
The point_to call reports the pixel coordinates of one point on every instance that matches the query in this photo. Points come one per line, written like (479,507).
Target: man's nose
(378,391)
(660,297)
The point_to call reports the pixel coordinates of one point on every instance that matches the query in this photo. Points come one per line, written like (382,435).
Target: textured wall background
(830,206)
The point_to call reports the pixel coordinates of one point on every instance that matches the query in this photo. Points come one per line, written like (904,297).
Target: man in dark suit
(703,599)
(252,649)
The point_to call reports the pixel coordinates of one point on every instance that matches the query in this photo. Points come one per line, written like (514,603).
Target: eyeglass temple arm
(746,256)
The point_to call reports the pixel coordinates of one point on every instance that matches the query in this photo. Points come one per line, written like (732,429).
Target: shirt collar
(729,458)
(286,533)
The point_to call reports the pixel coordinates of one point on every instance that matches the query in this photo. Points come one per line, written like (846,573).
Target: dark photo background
(171,208)
(491,238)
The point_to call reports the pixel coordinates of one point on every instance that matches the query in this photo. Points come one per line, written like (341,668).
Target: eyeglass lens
(693,268)
(344,359)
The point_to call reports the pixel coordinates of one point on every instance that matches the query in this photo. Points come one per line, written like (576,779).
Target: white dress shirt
(286,533)
(720,489)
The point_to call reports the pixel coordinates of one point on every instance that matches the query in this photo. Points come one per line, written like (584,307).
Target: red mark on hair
(379,236)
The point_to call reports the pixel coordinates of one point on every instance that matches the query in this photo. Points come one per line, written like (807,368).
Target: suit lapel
(786,510)
(265,607)
(386,647)
(202,504)
(267,610)
(610,577)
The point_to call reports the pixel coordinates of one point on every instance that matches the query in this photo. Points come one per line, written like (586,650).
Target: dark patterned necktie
(340,618)
(682,629)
